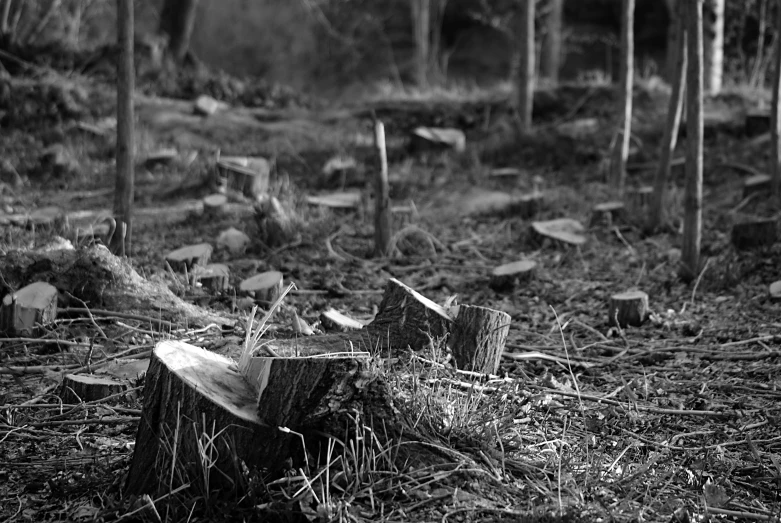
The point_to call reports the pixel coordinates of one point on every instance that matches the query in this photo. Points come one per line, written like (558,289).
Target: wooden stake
(382,211)
(123,192)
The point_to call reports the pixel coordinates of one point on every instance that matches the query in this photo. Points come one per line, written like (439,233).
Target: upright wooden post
(692,220)
(382,210)
(123,191)
(550,60)
(775,128)
(621,149)
(526,67)
(674,110)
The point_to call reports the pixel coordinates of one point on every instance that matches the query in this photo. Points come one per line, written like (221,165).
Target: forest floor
(676,420)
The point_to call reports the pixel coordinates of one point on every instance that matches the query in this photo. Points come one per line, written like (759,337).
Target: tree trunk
(382,209)
(775,127)
(421,27)
(674,34)
(674,110)
(526,65)
(551,45)
(692,223)
(713,44)
(177,20)
(123,192)
(621,150)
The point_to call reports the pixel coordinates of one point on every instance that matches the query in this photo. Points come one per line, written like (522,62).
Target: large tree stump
(505,277)
(26,310)
(266,286)
(185,258)
(628,308)
(77,388)
(478,338)
(755,233)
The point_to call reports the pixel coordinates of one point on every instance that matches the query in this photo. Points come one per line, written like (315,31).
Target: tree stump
(639,199)
(26,310)
(248,175)
(628,308)
(233,240)
(527,205)
(774,290)
(431,139)
(334,320)
(77,388)
(214,277)
(608,213)
(205,105)
(189,256)
(562,230)
(478,338)
(337,201)
(754,233)
(758,183)
(757,122)
(506,276)
(214,205)
(266,286)
(164,156)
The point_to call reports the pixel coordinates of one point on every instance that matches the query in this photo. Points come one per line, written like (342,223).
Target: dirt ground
(675,420)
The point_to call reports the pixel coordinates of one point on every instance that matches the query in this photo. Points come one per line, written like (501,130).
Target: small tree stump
(160,157)
(266,286)
(756,233)
(29,308)
(608,213)
(334,320)
(639,198)
(527,205)
(478,338)
(77,388)
(214,277)
(506,276)
(774,290)
(431,139)
(214,205)
(247,175)
(562,230)
(189,256)
(628,308)
(758,183)
(233,240)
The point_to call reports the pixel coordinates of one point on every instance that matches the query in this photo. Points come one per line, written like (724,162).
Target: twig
(123,315)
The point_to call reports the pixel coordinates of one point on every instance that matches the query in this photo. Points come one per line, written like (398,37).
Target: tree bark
(692,222)
(621,150)
(713,44)
(525,79)
(674,110)
(551,45)
(177,20)
(123,192)
(421,26)
(775,127)
(675,31)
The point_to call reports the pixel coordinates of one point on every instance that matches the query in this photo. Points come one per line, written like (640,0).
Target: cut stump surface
(628,308)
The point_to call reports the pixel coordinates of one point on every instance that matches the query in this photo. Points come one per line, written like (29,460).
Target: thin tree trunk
(692,222)
(775,128)
(756,71)
(177,20)
(421,26)
(5,18)
(674,110)
(382,211)
(551,49)
(526,65)
(621,150)
(673,35)
(713,42)
(123,192)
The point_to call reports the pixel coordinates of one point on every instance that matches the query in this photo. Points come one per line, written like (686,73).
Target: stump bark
(628,308)
(755,233)
(24,312)
(214,277)
(77,388)
(186,258)
(478,338)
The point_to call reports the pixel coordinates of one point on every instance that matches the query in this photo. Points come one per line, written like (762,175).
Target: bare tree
(525,81)
(550,61)
(674,110)
(775,128)
(123,192)
(621,144)
(177,20)
(421,28)
(713,45)
(692,220)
